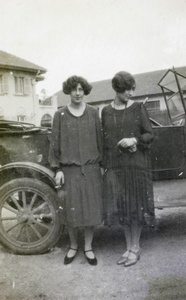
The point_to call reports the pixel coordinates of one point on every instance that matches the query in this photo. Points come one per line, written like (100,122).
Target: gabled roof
(146,85)
(9,61)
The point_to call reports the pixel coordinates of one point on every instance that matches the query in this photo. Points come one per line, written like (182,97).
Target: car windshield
(174,89)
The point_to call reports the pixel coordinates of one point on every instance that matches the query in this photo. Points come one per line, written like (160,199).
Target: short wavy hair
(123,81)
(72,82)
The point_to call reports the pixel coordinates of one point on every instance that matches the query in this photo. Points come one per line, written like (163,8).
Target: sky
(94,38)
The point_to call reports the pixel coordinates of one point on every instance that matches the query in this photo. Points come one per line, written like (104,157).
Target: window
(1,81)
(1,113)
(153,105)
(3,84)
(157,113)
(22,85)
(46,120)
(19,84)
(21,118)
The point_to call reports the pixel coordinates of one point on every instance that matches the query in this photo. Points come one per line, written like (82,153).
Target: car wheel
(29,218)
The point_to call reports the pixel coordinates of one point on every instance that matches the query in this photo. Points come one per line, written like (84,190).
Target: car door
(168,152)
(168,148)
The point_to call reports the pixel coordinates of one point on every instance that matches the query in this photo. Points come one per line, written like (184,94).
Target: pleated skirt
(83,204)
(128,194)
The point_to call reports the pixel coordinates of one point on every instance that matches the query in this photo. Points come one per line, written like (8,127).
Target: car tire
(29,216)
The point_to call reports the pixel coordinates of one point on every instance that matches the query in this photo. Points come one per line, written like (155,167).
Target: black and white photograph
(93,150)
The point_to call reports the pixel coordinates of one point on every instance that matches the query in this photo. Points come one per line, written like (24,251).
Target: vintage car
(29,218)
(29,207)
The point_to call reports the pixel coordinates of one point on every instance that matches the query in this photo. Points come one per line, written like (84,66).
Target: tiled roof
(13,62)
(146,84)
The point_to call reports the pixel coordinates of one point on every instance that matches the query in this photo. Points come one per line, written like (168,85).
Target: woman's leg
(73,241)
(89,232)
(134,254)
(128,236)
(136,233)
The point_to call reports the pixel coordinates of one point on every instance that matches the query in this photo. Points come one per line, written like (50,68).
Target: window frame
(21,118)
(22,85)
(153,105)
(3,84)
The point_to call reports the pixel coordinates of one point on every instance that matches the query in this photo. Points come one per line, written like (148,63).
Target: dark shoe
(123,258)
(132,261)
(68,260)
(91,261)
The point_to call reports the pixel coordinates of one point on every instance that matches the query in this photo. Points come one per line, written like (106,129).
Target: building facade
(18,99)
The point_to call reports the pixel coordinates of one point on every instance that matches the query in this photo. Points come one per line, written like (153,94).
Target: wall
(46,110)
(26,107)
(13,105)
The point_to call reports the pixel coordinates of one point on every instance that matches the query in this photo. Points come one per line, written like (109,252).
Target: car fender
(26,169)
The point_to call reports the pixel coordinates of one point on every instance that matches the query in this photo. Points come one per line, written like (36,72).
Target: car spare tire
(29,218)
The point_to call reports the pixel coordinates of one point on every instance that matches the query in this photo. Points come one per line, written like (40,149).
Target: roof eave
(39,78)
(31,70)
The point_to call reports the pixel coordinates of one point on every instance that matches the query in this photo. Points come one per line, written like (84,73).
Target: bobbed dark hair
(72,83)
(123,81)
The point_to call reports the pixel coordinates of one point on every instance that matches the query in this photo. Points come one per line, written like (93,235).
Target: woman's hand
(127,142)
(102,171)
(59,178)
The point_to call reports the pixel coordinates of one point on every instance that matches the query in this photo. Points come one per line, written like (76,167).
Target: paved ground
(159,275)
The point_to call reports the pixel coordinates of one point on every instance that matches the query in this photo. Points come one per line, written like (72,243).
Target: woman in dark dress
(128,186)
(75,154)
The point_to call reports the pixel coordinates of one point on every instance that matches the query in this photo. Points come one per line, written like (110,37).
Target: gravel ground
(159,275)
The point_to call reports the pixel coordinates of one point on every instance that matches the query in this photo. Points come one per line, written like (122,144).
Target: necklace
(123,115)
